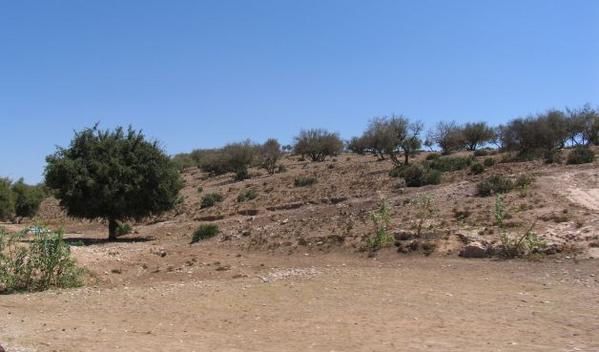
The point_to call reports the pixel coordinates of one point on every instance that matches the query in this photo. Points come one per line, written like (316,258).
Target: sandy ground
(320,303)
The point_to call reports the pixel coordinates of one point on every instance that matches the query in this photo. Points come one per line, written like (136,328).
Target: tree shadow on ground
(85,241)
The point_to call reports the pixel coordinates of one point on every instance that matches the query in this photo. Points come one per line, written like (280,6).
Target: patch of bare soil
(328,302)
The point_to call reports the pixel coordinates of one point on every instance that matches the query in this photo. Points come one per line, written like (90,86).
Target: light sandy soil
(328,302)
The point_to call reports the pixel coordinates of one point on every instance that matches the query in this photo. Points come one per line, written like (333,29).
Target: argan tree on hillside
(448,136)
(6,200)
(318,144)
(116,175)
(389,137)
(476,134)
(270,153)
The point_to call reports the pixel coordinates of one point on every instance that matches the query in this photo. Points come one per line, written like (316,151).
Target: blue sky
(203,73)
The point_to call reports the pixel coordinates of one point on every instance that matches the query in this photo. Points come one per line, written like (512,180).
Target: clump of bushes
(303,181)
(433,156)
(488,162)
(270,153)
(211,199)
(246,195)
(204,231)
(44,263)
(581,155)
(417,175)
(447,163)
(477,169)
(494,185)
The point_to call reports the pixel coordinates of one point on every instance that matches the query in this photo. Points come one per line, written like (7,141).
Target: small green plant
(123,229)
(488,162)
(246,195)
(425,210)
(433,156)
(525,245)
(381,219)
(581,155)
(210,199)
(494,185)
(204,231)
(44,263)
(200,189)
(450,163)
(477,169)
(303,181)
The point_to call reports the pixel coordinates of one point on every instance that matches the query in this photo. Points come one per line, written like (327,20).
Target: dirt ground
(329,302)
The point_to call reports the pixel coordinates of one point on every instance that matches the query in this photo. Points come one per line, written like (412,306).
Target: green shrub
(417,176)
(211,199)
(494,185)
(477,168)
(523,181)
(433,156)
(44,263)
(204,231)
(449,163)
(246,195)
(304,181)
(123,229)
(581,155)
(488,162)
(200,189)
(381,219)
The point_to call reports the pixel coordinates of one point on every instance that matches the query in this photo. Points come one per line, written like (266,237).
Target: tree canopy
(116,175)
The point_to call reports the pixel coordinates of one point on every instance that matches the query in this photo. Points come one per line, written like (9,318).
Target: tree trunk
(112,227)
(406,157)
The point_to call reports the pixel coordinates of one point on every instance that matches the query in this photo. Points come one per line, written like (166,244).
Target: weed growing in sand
(425,210)
(382,222)
(246,195)
(204,231)
(211,199)
(526,245)
(44,263)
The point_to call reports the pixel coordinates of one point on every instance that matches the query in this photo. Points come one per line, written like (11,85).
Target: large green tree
(116,175)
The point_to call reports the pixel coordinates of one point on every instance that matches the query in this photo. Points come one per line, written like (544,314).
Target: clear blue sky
(204,73)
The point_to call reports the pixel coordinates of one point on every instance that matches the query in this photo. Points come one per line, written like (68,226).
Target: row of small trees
(537,135)
(18,199)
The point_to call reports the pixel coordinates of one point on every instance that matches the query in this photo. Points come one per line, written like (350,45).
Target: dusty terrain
(288,271)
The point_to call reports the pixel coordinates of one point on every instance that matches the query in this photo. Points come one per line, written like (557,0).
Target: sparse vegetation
(203,232)
(581,155)
(303,181)
(123,229)
(246,195)
(450,163)
(488,162)
(210,199)
(494,185)
(42,264)
(525,245)
(424,206)
(477,169)
(381,218)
